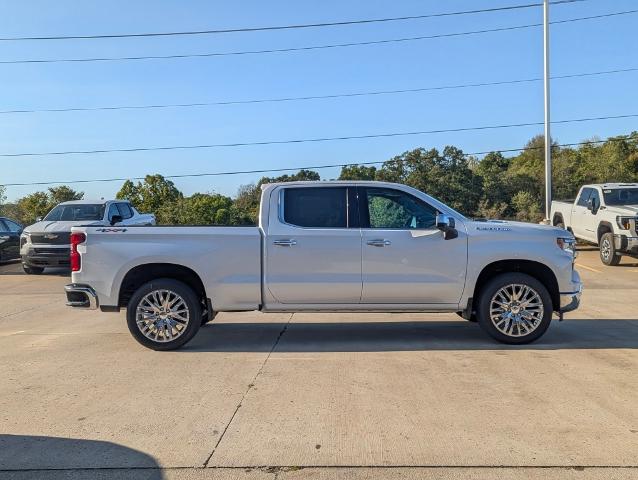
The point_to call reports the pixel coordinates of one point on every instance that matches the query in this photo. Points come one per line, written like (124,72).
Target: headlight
(567,244)
(623,222)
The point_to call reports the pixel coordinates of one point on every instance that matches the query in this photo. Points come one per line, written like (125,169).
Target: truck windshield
(621,196)
(75,212)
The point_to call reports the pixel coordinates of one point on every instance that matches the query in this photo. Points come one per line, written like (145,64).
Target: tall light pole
(548,138)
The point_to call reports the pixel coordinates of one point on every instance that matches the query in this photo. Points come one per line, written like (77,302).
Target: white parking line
(580,265)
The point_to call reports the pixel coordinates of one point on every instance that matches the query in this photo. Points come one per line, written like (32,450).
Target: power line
(284,27)
(309,48)
(307,167)
(315,97)
(307,140)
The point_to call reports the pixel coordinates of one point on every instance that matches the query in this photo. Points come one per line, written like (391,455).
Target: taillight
(76,260)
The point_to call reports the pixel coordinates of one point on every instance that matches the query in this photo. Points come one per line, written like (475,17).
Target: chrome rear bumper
(81,296)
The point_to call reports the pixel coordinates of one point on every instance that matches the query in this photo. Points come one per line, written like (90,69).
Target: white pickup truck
(329,246)
(46,243)
(603,214)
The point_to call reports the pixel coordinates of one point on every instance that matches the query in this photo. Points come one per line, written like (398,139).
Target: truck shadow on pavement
(28,456)
(403,336)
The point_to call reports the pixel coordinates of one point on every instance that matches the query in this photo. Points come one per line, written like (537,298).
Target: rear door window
(316,207)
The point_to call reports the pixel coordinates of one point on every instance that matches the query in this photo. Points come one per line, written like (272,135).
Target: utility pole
(548,138)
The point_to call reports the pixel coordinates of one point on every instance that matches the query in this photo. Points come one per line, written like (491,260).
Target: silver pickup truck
(329,246)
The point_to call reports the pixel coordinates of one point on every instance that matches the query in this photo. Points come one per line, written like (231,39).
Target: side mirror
(447,225)
(592,205)
(116,219)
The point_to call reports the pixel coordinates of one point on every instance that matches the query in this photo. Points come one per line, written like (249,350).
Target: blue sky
(586,46)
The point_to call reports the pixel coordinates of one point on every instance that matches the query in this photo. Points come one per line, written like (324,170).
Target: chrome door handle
(285,243)
(379,242)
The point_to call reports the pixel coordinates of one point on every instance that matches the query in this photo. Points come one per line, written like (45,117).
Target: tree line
(493,187)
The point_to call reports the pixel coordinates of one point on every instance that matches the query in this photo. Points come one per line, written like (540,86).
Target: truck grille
(51,251)
(61,238)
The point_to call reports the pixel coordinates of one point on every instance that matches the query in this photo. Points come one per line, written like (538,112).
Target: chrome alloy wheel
(516,310)
(162,315)
(605,249)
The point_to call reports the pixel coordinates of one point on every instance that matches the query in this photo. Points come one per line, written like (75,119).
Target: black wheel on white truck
(514,308)
(164,314)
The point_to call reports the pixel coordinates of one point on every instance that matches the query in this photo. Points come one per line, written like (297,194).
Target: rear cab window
(316,207)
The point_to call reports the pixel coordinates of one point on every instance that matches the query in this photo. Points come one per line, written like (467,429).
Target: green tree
(151,194)
(33,206)
(496,192)
(446,176)
(199,209)
(358,172)
(63,193)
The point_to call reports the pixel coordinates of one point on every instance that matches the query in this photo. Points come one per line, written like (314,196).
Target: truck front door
(313,246)
(405,258)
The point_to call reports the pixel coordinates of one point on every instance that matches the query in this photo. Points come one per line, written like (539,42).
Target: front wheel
(164,314)
(514,308)
(29,270)
(608,254)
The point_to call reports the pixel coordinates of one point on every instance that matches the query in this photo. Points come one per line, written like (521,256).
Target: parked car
(46,243)
(10,231)
(603,214)
(329,246)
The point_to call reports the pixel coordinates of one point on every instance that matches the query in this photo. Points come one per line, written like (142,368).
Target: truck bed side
(226,259)
(561,212)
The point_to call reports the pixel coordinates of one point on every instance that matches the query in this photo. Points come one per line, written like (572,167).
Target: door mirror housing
(116,219)
(592,205)
(447,225)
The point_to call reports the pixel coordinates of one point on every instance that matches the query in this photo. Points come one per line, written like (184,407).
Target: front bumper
(626,244)
(570,301)
(47,257)
(81,296)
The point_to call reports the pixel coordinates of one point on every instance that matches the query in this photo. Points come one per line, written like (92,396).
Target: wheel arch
(539,271)
(604,227)
(141,274)
(558,218)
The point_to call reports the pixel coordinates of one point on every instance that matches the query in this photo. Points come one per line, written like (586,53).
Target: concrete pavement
(318,395)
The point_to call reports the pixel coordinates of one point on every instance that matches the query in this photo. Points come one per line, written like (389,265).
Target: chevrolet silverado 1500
(46,243)
(603,214)
(329,246)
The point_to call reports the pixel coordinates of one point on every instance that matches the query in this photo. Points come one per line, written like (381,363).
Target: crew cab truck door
(405,258)
(313,246)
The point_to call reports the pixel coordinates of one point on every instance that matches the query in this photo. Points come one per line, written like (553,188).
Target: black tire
(191,302)
(608,253)
(516,337)
(29,270)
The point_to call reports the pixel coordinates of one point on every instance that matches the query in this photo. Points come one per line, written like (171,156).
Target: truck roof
(89,202)
(333,182)
(612,186)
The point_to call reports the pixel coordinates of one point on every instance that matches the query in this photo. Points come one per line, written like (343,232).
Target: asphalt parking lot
(319,396)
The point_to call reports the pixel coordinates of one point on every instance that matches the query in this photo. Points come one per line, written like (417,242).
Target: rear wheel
(164,314)
(514,308)
(29,270)
(608,254)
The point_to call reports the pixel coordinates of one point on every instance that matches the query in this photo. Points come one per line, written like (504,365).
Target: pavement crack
(250,386)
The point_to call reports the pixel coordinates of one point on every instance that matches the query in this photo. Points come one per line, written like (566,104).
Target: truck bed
(227,258)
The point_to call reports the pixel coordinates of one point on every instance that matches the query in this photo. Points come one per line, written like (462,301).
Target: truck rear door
(313,246)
